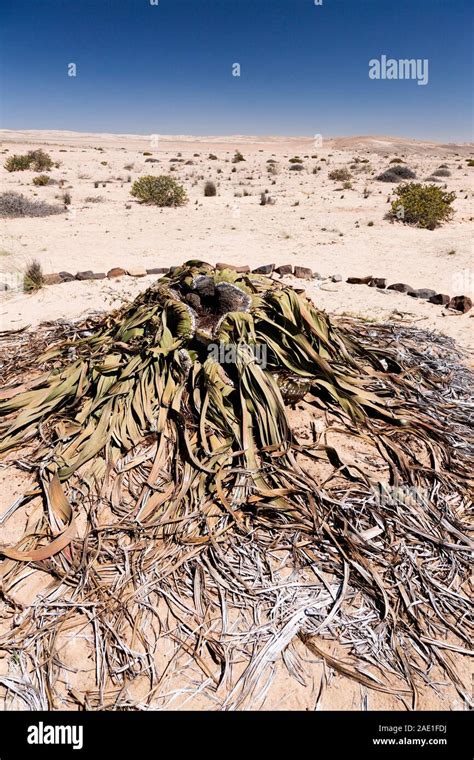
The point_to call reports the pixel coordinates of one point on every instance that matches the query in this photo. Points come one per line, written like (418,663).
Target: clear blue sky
(166,69)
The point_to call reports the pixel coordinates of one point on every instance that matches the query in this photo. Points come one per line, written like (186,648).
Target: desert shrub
(296,160)
(442,173)
(397,161)
(443,166)
(93,199)
(237,157)
(17,163)
(129,167)
(433,179)
(340,175)
(273,168)
(153,161)
(210,189)
(297,168)
(41,179)
(470,162)
(33,278)
(66,198)
(147,153)
(40,161)
(396,174)
(15,205)
(160,191)
(212,157)
(347,185)
(425,206)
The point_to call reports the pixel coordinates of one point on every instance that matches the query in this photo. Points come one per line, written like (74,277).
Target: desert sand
(314,222)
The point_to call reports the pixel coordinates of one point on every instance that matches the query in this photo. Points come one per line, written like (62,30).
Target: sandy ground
(314,222)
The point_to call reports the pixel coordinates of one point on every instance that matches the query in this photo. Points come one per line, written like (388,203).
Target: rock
(422,293)
(98,276)
(152,160)
(66,276)
(158,270)
(137,272)
(284,269)
(303,273)
(116,272)
(400,287)
(378,282)
(336,278)
(360,280)
(88,274)
(52,279)
(317,276)
(264,269)
(439,298)
(460,303)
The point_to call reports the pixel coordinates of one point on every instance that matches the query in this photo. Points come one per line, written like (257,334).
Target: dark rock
(284,269)
(66,276)
(98,276)
(378,282)
(336,278)
(400,287)
(303,273)
(440,299)
(4,286)
(88,274)
(422,293)
(116,272)
(158,270)
(359,280)
(264,269)
(152,160)
(460,303)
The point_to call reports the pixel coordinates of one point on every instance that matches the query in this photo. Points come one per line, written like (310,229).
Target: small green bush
(37,160)
(33,278)
(210,189)
(161,191)
(425,206)
(340,175)
(17,163)
(470,162)
(41,179)
(40,161)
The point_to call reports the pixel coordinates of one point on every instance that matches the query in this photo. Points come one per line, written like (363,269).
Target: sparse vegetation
(397,161)
(425,206)
(40,180)
(340,175)
(212,157)
(66,198)
(160,191)
(296,160)
(237,157)
(210,189)
(93,199)
(15,205)
(441,173)
(396,174)
(17,163)
(33,278)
